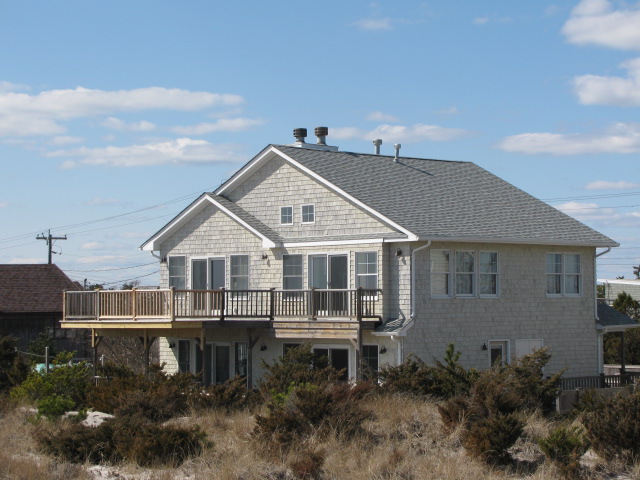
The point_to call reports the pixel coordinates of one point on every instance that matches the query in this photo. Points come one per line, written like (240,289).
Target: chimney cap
(300,134)
(322,131)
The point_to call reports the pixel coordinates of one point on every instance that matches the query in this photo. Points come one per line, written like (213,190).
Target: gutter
(599,337)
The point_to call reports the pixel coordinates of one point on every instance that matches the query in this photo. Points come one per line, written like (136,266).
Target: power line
(587,197)
(112,269)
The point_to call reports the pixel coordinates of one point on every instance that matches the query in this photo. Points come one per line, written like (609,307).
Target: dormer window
(286,215)
(308,213)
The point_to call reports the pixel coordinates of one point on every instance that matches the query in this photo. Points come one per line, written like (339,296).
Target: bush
(614,429)
(564,447)
(65,379)
(230,396)
(490,438)
(54,406)
(12,370)
(444,380)
(130,439)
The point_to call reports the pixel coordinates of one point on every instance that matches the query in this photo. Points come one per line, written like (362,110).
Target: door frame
(340,346)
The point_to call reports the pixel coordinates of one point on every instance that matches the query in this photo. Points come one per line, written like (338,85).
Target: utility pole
(49,239)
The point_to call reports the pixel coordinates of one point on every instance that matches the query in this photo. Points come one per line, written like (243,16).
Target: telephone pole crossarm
(49,239)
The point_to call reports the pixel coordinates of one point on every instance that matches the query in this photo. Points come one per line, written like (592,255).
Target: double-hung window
(286,215)
(488,276)
(177,272)
(465,274)
(292,275)
(440,273)
(239,272)
(564,275)
(367,270)
(308,213)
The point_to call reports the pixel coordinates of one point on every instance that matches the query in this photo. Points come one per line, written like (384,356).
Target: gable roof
(611,320)
(420,199)
(33,288)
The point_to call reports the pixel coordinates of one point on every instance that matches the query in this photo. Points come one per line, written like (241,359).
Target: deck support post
(223,301)
(95,341)
(203,347)
(146,341)
(252,343)
(359,375)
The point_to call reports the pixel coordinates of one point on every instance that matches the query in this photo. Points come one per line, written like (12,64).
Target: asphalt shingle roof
(610,317)
(33,288)
(445,199)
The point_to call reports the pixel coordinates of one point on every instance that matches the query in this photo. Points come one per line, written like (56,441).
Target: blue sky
(115,115)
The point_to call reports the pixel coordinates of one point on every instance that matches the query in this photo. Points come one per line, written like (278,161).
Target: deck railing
(599,381)
(172,304)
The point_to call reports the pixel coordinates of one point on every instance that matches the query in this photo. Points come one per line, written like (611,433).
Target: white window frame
(232,276)
(293,296)
(302,215)
(290,207)
(563,275)
(496,274)
(376,274)
(505,343)
(452,272)
(183,276)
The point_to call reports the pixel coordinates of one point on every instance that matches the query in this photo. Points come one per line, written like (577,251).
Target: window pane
(440,272)
(488,262)
(554,263)
(370,360)
(464,284)
(488,284)
(572,264)
(286,215)
(554,284)
(367,270)
(464,262)
(308,213)
(292,272)
(184,355)
(177,272)
(572,284)
(239,272)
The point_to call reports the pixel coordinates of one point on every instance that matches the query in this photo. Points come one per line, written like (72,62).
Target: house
(614,287)
(370,258)
(31,304)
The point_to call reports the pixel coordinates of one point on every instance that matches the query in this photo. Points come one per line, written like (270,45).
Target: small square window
(308,213)
(286,215)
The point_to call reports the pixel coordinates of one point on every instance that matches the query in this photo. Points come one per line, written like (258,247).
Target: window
(563,274)
(239,272)
(367,270)
(440,273)
(488,273)
(184,355)
(308,213)
(370,361)
(241,358)
(292,272)
(465,273)
(286,215)
(177,272)
(498,352)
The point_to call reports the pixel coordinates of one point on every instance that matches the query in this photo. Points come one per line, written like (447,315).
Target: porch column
(95,341)
(203,347)
(251,343)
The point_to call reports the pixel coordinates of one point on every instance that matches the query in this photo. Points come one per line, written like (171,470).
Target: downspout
(600,336)
(399,352)
(156,256)
(413,279)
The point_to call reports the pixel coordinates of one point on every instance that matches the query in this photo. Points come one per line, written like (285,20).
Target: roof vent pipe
(377,142)
(397,147)
(321,133)
(300,134)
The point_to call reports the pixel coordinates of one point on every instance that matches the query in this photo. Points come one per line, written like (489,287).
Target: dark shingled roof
(446,199)
(609,317)
(33,288)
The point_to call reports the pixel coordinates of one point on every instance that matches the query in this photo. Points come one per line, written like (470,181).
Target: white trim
(302,222)
(286,206)
(329,243)
(256,163)
(521,241)
(507,345)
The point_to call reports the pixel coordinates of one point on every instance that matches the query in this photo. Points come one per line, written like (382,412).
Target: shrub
(230,396)
(54,405)
(65,379)
(308,465)
(564,447)
(12,370)
(614,429)
(73,442)
(489,438)
(299,366)
(453,412)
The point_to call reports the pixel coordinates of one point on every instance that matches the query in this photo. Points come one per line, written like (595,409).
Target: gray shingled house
(370,258)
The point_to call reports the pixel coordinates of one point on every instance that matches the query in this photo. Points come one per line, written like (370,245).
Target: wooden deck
(289,313)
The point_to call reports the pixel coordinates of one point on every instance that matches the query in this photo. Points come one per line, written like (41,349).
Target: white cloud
(620,138)
(453,110)
(178,151)
(12,87)
(98,201)
(4,204)
(23,114)
(595,22)
(122,126)
(605,185)
(374,24)
(490,18)
(222,125)
(592,212)
(92,246)
(599,90)
(400,133)
(66,140)
(22,260)
(381,117)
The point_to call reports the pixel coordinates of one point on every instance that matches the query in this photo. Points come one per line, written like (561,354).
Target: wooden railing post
(133,305)
(272,303)
(312,303)
(98,306)
(223,303)
(359,304)
(172,303)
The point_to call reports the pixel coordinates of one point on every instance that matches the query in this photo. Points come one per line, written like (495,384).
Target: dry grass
(405,442)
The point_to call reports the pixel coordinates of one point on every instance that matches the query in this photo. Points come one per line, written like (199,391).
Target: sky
(115,115)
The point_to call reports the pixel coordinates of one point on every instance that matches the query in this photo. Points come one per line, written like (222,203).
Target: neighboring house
(612,288)
(370,258)
(31,303)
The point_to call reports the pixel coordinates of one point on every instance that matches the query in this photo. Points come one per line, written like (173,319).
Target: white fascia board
(153,243)
(617,281)
(521,241)
(617,328)
(258,161)
(331,243)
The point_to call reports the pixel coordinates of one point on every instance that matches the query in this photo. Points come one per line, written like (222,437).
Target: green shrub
(453,412)
(614,428)
(65,379)
(230,396)
(136,440)
(446,379)
(12,370)
(54,406)
(564,447)
(489,438)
